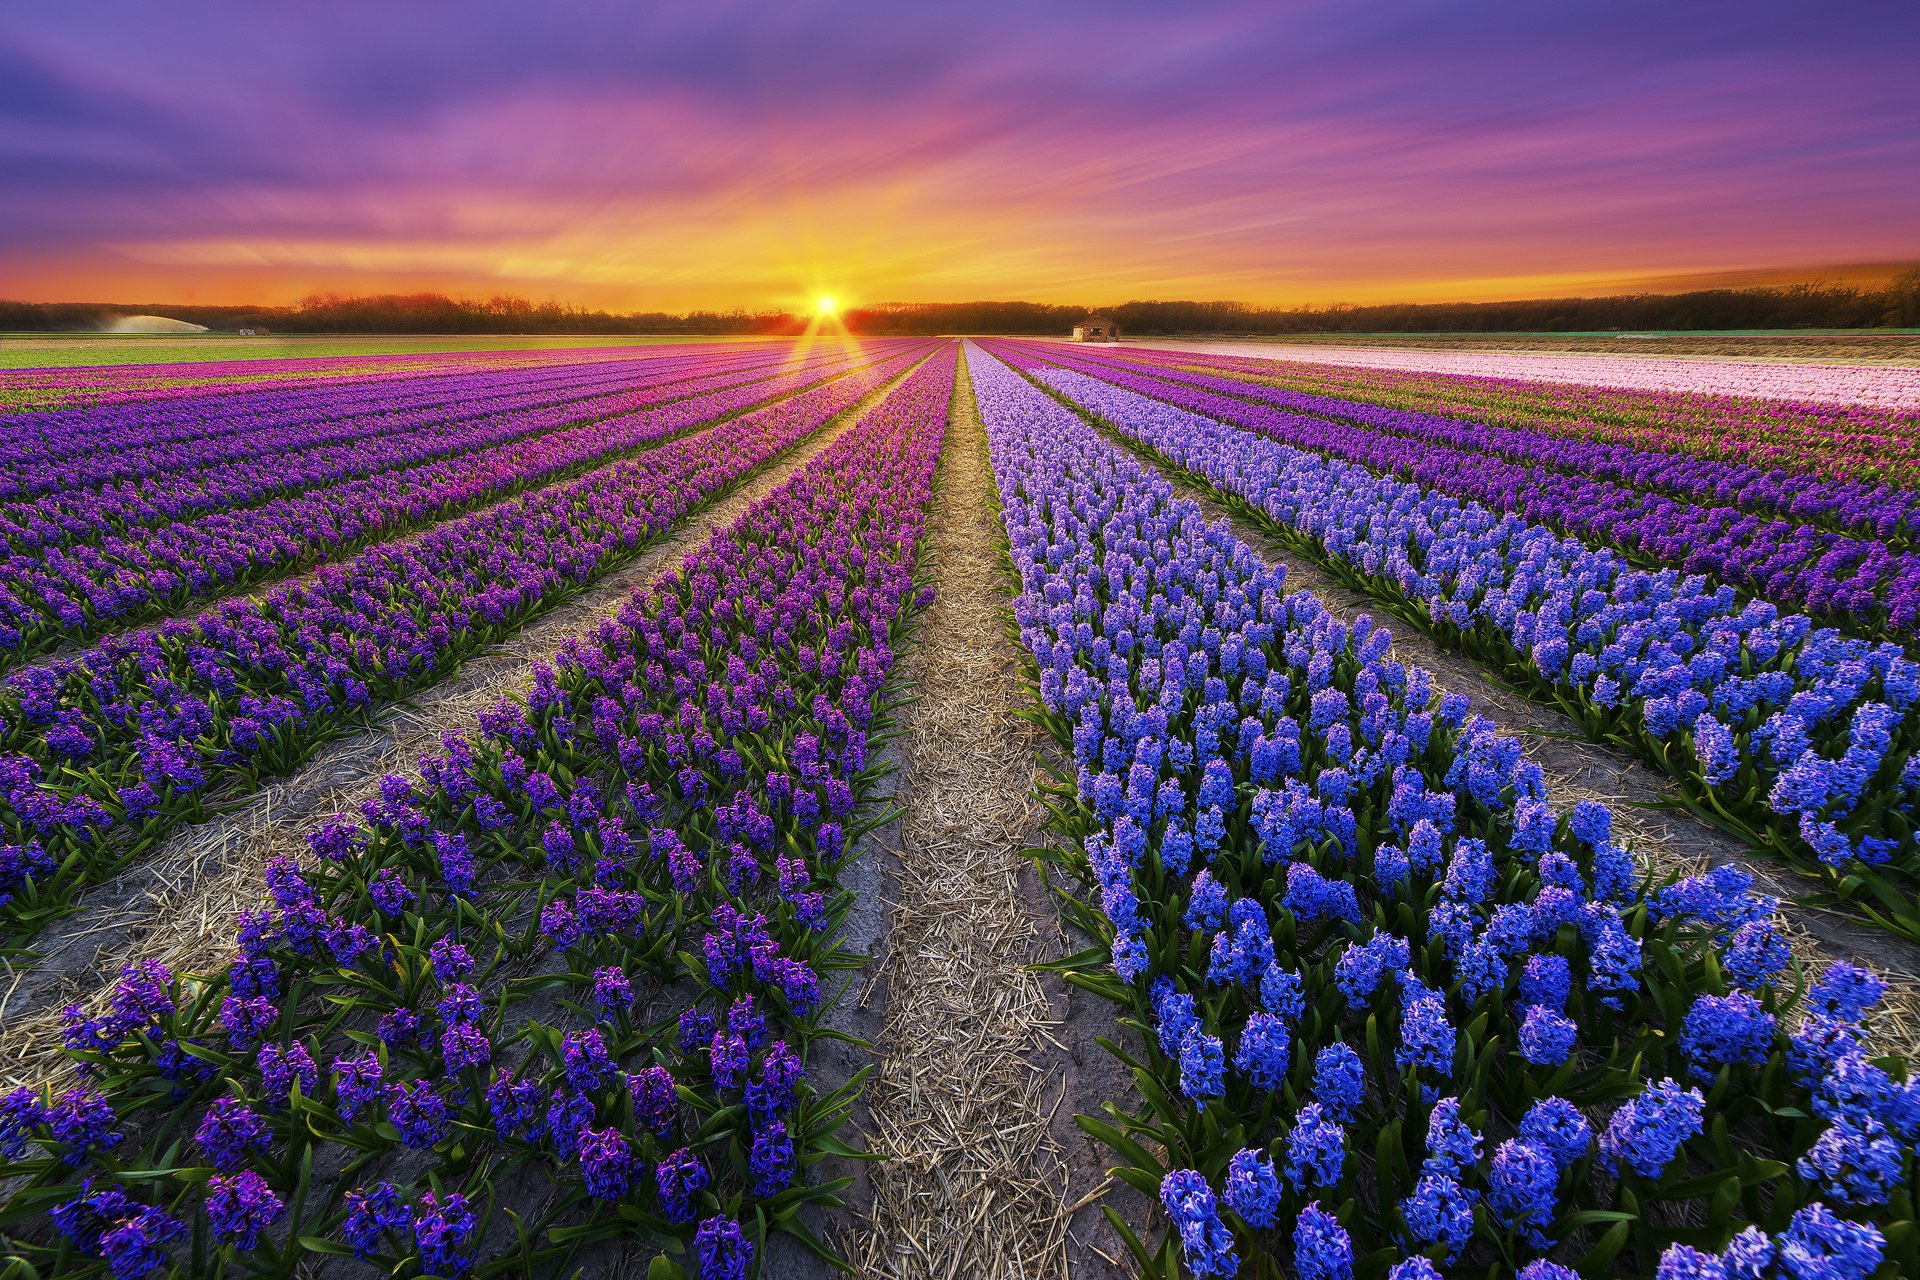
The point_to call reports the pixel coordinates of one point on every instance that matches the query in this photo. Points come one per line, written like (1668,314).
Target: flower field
(1801,736)
(581,989)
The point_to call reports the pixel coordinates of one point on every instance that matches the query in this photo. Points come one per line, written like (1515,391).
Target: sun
(824,305)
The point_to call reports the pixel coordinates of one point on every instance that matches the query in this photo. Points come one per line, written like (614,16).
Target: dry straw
(972,1181)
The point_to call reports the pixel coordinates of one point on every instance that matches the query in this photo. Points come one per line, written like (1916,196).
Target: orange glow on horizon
(268,283)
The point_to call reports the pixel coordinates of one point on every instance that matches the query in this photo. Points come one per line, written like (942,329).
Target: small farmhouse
(1096,329)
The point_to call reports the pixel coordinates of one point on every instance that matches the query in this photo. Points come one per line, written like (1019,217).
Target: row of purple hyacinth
(1879,510)
(575,965)
(72,386)
(1404,1016)
(321,443)
(99,758)
(178,441)
(1805,737)
(220,417)
(58,597)
(1861,582)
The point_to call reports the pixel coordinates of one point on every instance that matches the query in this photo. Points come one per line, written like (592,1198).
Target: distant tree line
(400,313)
(1801,306)
(436,313)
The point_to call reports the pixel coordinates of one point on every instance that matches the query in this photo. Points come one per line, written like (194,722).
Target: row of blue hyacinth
(1862,583)
(1795,734)
(1401,1015)
(559,989)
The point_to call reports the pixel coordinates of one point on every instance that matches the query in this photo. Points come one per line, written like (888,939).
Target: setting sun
(825,305)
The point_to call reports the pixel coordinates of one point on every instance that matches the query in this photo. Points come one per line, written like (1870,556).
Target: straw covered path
(981,1171)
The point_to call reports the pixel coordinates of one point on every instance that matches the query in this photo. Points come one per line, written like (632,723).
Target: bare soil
(983,1063)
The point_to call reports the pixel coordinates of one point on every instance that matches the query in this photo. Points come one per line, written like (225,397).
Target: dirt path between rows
(181,904)
(983,1063)
(1577,770)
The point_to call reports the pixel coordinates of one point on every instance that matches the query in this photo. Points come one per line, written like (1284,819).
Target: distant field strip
(33,363)
(1842,440)
(1536,428)
(1888,387)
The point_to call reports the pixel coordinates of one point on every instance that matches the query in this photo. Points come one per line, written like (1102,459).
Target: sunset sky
(755,155)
